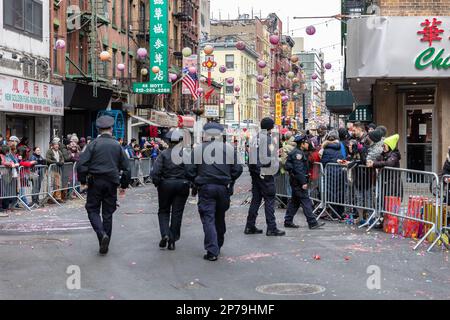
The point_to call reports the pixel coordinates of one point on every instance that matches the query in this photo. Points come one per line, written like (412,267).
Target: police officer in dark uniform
(169,176)
(214,169)
(100,166)
(263,183)
(298,167)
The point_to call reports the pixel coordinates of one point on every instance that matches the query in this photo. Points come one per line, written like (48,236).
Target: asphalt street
(36,250)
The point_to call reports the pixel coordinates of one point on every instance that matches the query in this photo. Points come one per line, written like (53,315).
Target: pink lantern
(285,99)
(192,70)
(283,93)
(203,80)
(60,44)
(222,100)
(200,91)
(310,30)
(237,88)
(260,78)
(173,77)
(328,66)
(240,45)
(262,64)
(314,76)
(274,39)
(120,67)
(142,53)
(223,69)
(230,80)
(266,96)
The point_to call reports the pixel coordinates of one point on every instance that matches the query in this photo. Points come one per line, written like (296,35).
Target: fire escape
(185,14)
(92,16)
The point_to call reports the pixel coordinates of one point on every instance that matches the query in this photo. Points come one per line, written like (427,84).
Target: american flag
(190,80)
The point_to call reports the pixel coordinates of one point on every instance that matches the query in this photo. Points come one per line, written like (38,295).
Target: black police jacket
(214,162)
(105,158)
(269,152)
(166,168)
(297,166)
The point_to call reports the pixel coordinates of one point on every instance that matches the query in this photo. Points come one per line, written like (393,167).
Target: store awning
(80,96)
(340,102)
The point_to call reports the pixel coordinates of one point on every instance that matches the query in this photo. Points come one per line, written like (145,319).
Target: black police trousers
(262,189)
(213,202)
(172,197)
(300,197)
(101,195)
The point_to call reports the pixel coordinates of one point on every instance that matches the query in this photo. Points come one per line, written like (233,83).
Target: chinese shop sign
(431,32)
(27,96)
(278,109)
(159,50)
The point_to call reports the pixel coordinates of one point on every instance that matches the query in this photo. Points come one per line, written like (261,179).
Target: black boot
(275,233)
(104,244)
(316,225)
(171,245)
(210,257)
(163,242)
(291,225)
(252,230)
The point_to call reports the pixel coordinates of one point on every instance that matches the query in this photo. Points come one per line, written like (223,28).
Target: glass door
(419,141)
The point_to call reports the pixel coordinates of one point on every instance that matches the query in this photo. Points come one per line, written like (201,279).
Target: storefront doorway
(20,126)
(419,139)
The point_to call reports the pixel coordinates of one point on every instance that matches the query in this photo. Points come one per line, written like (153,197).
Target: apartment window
(142,17)
(229,89)
(114,63)
(229,61)
(23,15)
(55,53)
(122,14)
(130,6)
(113,12)
(229,112)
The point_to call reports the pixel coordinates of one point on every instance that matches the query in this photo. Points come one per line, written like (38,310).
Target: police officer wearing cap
(169,176)
(262,170)
(298,167)
(214,168)
(105,167)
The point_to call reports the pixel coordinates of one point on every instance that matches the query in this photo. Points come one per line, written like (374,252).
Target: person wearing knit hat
(383,130)
(267,124)
(392,185)
(371,127)
(375,136)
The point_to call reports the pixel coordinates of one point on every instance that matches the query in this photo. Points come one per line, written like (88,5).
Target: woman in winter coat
(331,153)
(392,185)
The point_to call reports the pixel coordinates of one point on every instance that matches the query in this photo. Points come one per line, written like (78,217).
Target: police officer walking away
(100,166)
(214,169)
(263,182)
(169,176)
(298,168)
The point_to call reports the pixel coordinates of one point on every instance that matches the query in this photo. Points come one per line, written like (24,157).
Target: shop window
(229,61)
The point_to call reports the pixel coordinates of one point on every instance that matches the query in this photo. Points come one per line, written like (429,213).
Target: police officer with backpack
(105,167)
(169,176)
(298,167)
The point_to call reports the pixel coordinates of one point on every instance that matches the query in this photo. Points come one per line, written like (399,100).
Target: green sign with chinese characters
(159,50)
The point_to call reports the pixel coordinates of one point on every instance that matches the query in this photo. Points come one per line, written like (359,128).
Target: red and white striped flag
(191,84)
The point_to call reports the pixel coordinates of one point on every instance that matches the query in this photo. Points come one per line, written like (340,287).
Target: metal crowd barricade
(136,172)
(9,179)
(76,183)
(34,185)
(443,211)
(61,179)
(407,196)
(349,187)
(283,189)
(146,168)
(316,186)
